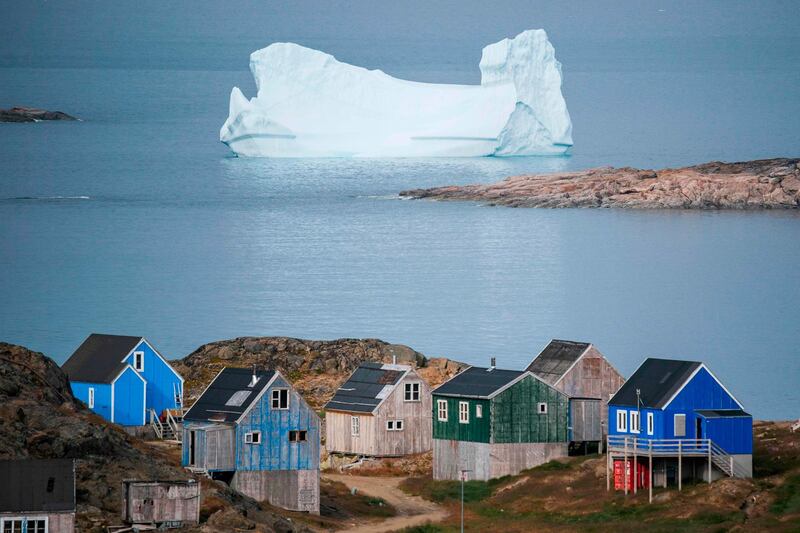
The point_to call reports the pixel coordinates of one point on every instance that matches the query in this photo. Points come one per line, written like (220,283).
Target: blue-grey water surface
(138,221)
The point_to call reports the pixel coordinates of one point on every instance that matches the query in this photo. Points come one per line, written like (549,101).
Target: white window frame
(394,425)
(390,425)
(138,361)
(275,399)
(541,408)
(675,424)
(651,423)
(478,411)
(441,410)
(635,417)
(24,520)
(412,392)
(355,426)
(622,421)
(463,412)
(90,401)
(252,437)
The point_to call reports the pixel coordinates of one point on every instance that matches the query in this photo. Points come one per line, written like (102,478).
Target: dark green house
(495,423)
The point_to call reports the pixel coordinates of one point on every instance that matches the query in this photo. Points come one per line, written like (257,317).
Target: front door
(698,430)
(192,440)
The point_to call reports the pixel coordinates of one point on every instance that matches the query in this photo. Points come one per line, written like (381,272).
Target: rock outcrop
(30,114)
(762,184)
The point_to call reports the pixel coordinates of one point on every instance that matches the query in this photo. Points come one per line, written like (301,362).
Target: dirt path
(411,510)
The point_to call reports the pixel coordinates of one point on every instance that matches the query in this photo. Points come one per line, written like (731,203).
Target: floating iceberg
(311,105)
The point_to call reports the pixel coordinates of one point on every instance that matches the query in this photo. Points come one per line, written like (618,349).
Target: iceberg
(311,105)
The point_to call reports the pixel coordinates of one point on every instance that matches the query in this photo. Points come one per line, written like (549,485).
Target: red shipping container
(642,474)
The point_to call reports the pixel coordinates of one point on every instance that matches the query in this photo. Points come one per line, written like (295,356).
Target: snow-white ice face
(311,105)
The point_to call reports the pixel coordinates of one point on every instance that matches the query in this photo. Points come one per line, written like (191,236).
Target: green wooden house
(495,422)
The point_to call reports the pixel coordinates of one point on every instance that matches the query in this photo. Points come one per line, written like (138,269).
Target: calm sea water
(137,221)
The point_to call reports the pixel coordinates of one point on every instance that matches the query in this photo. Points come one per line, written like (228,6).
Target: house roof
(38,485)
(657,380)
(229,395)
(556,358)
(478,382)
(366,388)
(99,358)
(722,413)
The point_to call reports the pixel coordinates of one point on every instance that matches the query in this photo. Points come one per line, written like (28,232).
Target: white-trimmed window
(478,411)
(441,410)
(541,408)
(252,437)
(355,426)
(680,425)
(411,392)
(651,425)
(91,400)
(138,361)
(280,398)
(394,425)
(622,421)
(634,425)
(463,412)
(14,524)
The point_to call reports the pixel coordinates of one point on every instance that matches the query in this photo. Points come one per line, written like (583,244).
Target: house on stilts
(382,410)
(493,423)
(253,430)
(580,371)
(674,421)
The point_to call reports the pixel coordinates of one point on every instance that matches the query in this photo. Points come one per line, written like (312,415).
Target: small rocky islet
(32,114)
(760,184)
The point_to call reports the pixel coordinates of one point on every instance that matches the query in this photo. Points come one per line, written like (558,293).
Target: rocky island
(762,184)
(31,114)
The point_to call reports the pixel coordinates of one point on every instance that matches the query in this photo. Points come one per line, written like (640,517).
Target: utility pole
(463,478)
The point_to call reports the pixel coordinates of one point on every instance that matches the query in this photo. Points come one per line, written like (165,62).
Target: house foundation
(295,490)
(487,461)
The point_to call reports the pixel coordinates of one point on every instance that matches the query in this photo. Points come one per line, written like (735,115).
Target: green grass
(553,466)
(474,491)
(427,528)
(787,499)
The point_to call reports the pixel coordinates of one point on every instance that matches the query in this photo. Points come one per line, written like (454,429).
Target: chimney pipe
(394,359)
(494,363)
(254,379)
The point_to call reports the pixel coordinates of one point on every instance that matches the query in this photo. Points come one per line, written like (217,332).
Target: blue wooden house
(680,414)
(123,378)
(253,430)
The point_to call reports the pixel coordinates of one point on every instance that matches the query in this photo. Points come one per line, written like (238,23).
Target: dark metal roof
(722,413)
(367,387)
(556,358)
(211,405)
(35,486)
(99,358)
(657,380)
(477,382)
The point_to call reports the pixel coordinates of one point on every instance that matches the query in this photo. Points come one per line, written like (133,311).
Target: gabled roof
(99,358)
(658,380)
(556,359)
(37,486)
(229,395)
(479,382)
(367,387)
(722,413)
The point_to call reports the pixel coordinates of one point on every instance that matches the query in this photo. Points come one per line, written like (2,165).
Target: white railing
(631,446)
(175,426)
(156,424)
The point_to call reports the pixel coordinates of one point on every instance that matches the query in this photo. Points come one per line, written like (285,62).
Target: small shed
(495,423)
(382,410)
(38,496)
(580,371)
(161,503)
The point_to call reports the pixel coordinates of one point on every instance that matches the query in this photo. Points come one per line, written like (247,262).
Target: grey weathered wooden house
(162,504)
(37,496)
(382,410)
(254,430)
(580,371)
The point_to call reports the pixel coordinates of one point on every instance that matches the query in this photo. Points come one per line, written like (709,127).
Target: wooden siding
(374,439)
(129,396)
(515,417)
(488,461)
(215,446)
(585,420)
(477,430)
(162,380)
(56,522)
(275,452)
(160,501)
(296,490)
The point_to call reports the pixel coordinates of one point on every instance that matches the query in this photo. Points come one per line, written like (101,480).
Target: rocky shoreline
(761,184)
(31,114)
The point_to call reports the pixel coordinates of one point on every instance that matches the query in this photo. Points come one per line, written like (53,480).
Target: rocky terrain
(30,114)
(763,184)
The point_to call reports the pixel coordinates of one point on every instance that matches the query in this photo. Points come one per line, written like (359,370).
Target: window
(12,525)
(37,526)
(91,397)
(238,398)
(634,422)
(280,398)
(463,412)
(650,424)
(541,408)
(297,436)
(355,426)
(622,421)
(138,361)
(441,410)
(412,392)
(252,437)
(394,425)
(478,411)
(680,425)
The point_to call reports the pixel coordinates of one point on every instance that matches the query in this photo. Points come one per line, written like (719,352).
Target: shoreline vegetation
(748,185)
